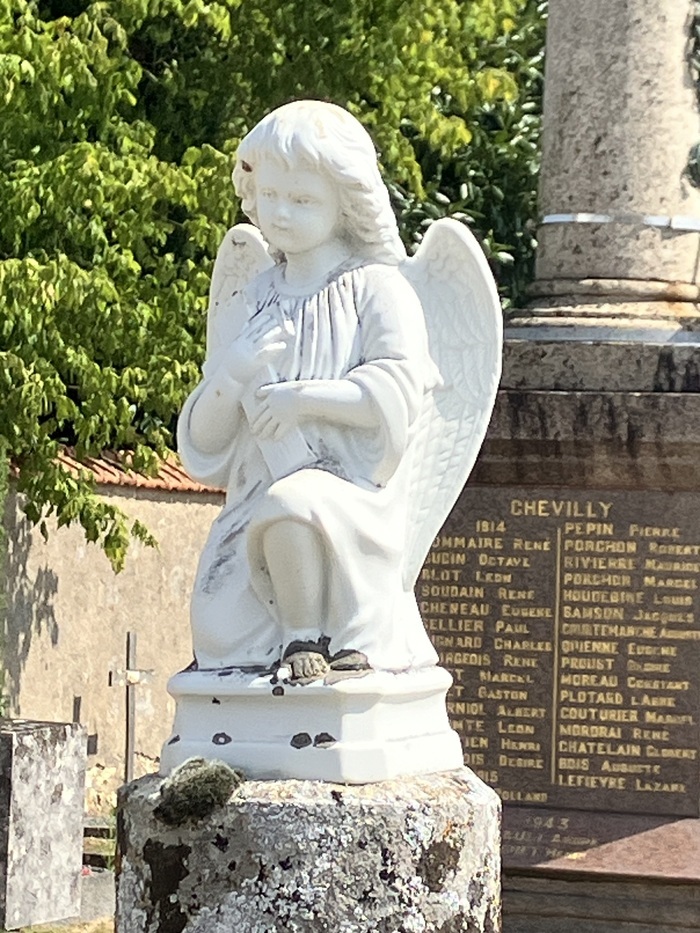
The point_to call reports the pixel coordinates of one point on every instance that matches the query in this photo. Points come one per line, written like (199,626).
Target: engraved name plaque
(571,624)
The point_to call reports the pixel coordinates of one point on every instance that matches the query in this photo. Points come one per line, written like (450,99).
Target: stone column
(620,218)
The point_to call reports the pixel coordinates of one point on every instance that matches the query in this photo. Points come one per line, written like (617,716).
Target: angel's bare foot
(349,660)
(306,666)
(346,664)
(308,660)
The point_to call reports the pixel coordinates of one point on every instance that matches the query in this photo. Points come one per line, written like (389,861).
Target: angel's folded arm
(214,415)
(394,338)
(339,401)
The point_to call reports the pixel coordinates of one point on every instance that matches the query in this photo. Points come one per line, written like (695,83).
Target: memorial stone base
(575,903)
(42,784)
(416,854)
(563,596)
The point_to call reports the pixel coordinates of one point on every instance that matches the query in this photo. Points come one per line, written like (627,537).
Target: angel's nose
(282,211)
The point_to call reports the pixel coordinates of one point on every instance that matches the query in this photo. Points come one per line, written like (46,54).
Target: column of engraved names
(519,684)
(501,657)
(663,671)
(454,610)
(618,673)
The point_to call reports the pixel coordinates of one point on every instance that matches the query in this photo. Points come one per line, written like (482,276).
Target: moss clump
(195,789)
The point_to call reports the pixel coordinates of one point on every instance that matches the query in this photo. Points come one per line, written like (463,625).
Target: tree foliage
(120,121)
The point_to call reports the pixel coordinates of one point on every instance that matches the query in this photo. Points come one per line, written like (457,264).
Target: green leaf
(119,130)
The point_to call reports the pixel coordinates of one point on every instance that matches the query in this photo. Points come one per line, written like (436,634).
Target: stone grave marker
(42,783)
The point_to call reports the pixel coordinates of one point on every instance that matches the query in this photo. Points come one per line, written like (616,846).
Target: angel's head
(334,158)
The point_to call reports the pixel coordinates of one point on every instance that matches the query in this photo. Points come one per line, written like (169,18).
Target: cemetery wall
(67,617)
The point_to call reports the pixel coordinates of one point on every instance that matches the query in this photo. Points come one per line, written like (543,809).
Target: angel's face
(298,209)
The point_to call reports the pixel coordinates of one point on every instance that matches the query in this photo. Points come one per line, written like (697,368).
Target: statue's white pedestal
(357,731)
(417,854)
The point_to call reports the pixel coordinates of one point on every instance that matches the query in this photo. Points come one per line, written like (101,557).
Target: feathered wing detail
(465,334)
(242,255)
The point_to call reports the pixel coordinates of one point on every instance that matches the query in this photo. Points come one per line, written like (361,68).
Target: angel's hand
(259,343)
(281,409)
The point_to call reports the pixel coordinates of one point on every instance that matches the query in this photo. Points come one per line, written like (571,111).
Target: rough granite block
(418,854)
(42,785)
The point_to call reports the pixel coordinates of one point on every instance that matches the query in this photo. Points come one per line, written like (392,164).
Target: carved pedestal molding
(419,854)
(620,218)
(371,728)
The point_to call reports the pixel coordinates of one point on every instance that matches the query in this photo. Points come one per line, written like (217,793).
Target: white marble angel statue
(341,426)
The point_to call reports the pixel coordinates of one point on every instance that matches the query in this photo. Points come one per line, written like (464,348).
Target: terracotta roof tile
(109,470)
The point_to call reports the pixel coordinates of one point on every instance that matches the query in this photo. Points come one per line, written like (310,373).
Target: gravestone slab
(42,783)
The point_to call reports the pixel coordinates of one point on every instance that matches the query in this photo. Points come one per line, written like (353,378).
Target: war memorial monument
(564,590)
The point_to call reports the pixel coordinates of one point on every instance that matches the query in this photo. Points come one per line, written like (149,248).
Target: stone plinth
(371,728)
(417,854)
(42,783)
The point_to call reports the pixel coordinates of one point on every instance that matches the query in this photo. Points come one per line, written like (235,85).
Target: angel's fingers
(260,418)
(257,328)
(273,326)
(270,336)
(269,429)
(258,320)
(249,330)
(264,432)
(263,321)
(272,348)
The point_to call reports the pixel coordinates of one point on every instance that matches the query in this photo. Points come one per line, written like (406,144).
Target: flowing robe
(365,325)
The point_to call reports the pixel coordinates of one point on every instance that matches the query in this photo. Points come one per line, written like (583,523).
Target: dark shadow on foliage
(55,9)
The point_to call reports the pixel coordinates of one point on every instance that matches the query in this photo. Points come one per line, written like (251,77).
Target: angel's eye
(266,193)
(303,200)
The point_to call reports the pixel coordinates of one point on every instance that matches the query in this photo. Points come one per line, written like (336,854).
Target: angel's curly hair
(326,137)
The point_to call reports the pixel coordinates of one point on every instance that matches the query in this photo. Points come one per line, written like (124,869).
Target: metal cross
(130,677)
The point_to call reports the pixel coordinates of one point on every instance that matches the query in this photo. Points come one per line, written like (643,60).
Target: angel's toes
(307,665)
(318,666)
(349,660)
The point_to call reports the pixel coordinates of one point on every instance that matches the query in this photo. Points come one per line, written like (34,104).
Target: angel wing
(465,334)
(242,255)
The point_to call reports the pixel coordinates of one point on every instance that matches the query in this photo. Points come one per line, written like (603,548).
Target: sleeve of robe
(209,468)
(396,369)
